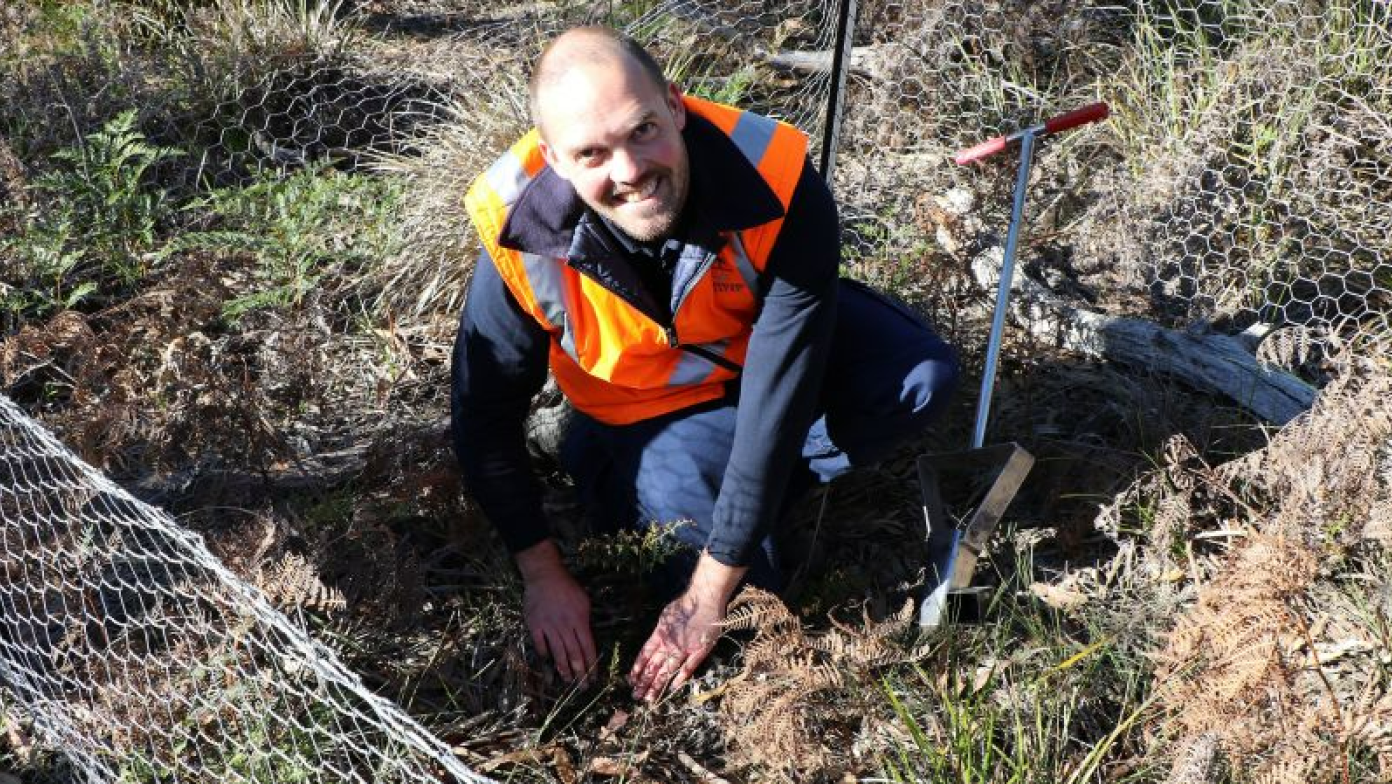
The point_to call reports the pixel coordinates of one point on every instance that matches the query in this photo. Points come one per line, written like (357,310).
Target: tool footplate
(965,494)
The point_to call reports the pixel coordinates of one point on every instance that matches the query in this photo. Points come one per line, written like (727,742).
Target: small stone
(957,201)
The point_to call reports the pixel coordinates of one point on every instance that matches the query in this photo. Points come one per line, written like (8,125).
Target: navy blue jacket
(500,353)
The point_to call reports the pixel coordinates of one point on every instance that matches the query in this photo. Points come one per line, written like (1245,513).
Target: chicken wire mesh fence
(1243,178)
(135,652)
(357,98)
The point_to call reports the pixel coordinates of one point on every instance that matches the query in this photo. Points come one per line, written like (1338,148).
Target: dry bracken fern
(294,582)
(794,684)
(1242,664)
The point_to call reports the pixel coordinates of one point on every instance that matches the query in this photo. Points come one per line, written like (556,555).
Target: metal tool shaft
(1007,274)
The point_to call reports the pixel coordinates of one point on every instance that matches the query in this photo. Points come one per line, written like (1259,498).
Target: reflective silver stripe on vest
(744,265)
(752,135)
(507,178)
(547,280)
(693,369)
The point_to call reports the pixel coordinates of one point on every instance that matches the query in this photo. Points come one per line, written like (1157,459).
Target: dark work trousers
(888,376)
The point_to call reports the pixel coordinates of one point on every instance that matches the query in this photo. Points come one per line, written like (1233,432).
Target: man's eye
(645,130)
(588,156)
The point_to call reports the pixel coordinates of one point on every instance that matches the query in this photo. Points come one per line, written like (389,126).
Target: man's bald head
(611,126)
(591,46)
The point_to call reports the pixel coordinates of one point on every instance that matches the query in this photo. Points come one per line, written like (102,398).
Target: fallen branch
(865,61)
(1211,362)
(319,473)
(327,471)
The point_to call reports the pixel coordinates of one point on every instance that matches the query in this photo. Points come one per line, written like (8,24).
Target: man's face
(616,137)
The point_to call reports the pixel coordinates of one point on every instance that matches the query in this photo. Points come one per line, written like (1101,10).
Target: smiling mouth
(644,193)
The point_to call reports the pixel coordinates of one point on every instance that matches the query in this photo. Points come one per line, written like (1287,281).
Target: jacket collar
(549,219)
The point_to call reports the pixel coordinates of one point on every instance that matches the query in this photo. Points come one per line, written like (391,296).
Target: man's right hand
(557,611)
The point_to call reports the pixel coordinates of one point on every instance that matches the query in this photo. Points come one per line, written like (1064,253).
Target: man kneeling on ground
(674,263)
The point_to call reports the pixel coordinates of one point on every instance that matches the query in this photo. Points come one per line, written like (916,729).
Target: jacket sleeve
(500,357)
(782,379)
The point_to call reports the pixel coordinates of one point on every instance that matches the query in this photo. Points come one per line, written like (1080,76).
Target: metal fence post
(840,65)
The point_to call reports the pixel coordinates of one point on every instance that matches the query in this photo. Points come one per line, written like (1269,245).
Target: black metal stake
(831,130)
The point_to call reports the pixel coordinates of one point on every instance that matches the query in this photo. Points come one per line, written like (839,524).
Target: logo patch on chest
(726,278)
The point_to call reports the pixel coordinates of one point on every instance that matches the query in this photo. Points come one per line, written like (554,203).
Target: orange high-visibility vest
(612,361)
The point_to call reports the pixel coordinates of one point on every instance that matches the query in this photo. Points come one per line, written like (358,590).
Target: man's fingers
(645,676)
(557,610)
(587,647)
(561,655)
(659,672)
(646,656)
(539,642)
(677,671)
(682,668)
(647,685)
(582,658)
(645,670)
(688,669)
(671,669)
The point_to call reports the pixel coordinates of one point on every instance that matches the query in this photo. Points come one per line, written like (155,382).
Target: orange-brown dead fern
(797,687)
(1242,665)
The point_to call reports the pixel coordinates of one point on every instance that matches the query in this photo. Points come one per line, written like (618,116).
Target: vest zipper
(701,351)
(691,283)
(670,330)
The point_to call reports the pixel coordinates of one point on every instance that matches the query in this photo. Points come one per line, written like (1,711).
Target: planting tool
(985,478)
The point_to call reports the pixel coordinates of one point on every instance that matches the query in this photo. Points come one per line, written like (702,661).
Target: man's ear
(675,104)
(549,155)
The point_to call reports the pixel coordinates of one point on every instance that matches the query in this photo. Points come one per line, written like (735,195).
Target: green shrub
(98,228)
(297,228)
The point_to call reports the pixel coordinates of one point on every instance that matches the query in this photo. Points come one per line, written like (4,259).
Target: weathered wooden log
(316,473)
(1207,361)
(865,61)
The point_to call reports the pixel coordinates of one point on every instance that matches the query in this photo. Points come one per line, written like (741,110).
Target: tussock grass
(429,274)
(253,29)
(255,300)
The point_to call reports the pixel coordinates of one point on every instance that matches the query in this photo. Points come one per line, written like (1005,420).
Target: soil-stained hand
(557,611)
(685,634)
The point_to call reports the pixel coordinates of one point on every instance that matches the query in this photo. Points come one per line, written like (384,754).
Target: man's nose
(625,166)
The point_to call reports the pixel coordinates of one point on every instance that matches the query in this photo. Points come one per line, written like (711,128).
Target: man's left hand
(686,631)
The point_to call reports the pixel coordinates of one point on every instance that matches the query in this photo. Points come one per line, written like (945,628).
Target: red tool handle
(1083,116)
(982,150)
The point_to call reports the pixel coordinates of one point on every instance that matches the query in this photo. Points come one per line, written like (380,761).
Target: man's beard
(651,221)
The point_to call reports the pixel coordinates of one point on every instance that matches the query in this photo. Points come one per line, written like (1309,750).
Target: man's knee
(930,382)
(915,381)
(889,402)
(887,364)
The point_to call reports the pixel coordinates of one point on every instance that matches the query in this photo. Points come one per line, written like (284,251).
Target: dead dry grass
(1256,584)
